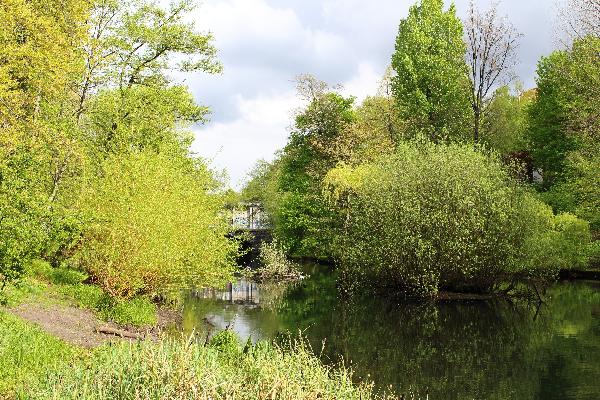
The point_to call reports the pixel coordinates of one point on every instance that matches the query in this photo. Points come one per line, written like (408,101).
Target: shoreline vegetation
(137,359)
(171,368)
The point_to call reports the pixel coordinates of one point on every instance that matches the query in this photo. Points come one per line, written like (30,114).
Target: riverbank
(58,341)
(37,365)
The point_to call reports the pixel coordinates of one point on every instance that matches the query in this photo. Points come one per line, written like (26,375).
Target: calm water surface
(446,350)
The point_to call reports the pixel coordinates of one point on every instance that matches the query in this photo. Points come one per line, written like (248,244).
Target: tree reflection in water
(448,349)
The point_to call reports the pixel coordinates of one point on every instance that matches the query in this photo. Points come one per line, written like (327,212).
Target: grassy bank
(34,365)
(46,284)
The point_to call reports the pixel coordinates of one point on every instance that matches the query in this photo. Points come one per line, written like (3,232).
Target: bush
(275,263)
(137,312)
(155,227)
(437,217)
(58,276)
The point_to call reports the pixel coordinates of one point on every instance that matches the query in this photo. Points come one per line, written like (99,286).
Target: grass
(34,365)
(63,284)
(27,353)
(137,312)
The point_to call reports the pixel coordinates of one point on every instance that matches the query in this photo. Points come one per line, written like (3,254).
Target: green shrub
(275,264)
(226,341)
(155,227)
(58,276)
(86,296)
(138,312)
(437,217)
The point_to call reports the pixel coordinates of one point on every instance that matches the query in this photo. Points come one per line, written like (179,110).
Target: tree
(578,19)
(435,216)
(154,226)
(39,42)
(303,222)
(564,129)
(491,53)
(564,116)
(504,123)
(431,85)
(139,42)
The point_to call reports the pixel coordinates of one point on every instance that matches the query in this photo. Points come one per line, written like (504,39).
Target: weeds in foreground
(35,365)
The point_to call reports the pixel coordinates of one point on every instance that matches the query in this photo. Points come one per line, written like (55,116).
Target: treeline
(450,177)
(95,168)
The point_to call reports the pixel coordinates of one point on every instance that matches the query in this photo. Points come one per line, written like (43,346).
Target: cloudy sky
(265,44)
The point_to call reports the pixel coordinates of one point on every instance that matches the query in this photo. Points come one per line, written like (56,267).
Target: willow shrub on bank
(447,216)
(154,226)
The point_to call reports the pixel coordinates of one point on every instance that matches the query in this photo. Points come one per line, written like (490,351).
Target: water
(446,350)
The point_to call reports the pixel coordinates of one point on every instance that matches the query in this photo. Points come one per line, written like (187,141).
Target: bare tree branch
(577,19)
(491,55)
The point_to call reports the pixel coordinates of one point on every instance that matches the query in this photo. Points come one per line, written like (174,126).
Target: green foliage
(176,369)
(565,129)
(142,117)
(57,276)
(505,121)
(22,208)
(563,116)
(27,354)
(302,220)
(154,227)
(139,311)
(275,264)
(81,86)
(434,217)
(86,296)
(226,341)
(431,85)
(579,190)
(68,284)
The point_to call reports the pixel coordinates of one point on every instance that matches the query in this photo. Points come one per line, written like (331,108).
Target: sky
(264,44)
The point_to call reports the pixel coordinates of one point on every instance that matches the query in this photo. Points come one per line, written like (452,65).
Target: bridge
(250,218)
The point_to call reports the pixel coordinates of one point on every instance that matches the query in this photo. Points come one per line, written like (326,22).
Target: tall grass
(35,365)
(187,369)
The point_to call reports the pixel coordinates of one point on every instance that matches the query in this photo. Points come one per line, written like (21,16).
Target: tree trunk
(477,123)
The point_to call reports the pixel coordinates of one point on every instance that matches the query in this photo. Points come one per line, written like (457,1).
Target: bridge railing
(249,216)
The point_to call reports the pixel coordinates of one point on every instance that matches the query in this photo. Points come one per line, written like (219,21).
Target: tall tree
(578,18)
(491,54)
(431,85)
(303,221)
(564,128)
(505,121)
(39,42)
(565,117)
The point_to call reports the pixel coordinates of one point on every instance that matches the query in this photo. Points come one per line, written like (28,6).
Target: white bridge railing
(249,216)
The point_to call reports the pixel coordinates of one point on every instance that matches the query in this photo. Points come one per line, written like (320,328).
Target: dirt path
(73,325)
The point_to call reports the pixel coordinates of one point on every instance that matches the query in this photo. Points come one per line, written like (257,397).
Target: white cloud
(365,83)
(260,130)
(264,44)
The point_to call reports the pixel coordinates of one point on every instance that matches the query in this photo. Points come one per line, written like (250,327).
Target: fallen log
(107,330)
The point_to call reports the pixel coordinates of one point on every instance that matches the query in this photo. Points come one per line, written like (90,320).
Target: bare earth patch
(73,325)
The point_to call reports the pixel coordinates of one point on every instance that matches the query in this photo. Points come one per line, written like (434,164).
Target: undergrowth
(34,365)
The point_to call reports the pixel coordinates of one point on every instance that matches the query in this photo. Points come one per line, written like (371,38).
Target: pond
(440,350)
